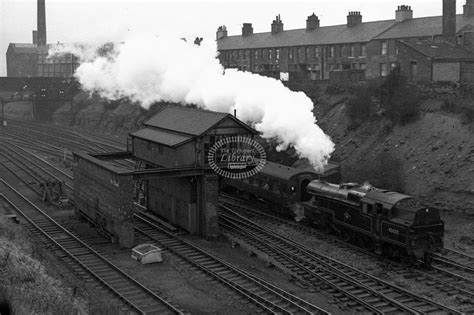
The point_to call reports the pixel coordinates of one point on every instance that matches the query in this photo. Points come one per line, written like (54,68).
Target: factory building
(31,59)
(364,50)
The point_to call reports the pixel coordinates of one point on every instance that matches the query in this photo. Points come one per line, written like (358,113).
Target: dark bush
(400,100)
(384,171)
(334,89)
(465,110)
(359,106)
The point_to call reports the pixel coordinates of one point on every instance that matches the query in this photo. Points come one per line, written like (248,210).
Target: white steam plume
(148,68)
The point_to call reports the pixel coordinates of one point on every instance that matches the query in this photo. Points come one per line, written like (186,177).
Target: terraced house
(428,48)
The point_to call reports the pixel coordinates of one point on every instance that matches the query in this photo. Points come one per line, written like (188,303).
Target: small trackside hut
(176,179)
(104,194)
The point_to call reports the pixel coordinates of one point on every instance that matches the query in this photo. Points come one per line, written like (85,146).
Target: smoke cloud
(147,68)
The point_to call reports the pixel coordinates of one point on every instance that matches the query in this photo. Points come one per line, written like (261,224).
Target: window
(396,49)
(298,53)
(383,50)
(308,53)
(362,66)
(256,54)
(383,69)
(352,51)
(270,51)
(362,50)
(265,54)
(316,52)
(413,69)
(241,54)
(338,66)
(277,54)
(247,54)
(342,51)
(331,67)
(355,65)
(317,67)
(331,51)
(290,53)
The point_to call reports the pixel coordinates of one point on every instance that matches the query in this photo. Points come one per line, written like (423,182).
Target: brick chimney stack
(468,8)
(404,12)
(247,29)
(354,18)
(41,20)
(277,25)
(221,32)
(312,22)
(449,20)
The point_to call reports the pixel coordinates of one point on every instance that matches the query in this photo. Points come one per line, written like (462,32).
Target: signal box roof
(189,121)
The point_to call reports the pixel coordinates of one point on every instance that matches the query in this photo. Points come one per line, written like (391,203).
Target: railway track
(86,262)
(456,261)
(57,141)
(267,297)
(109,141)
(354,287)
(441,280)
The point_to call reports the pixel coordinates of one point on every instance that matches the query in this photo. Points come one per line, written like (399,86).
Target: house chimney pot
(403,13)
(354,18)
(312,22)
(247,29)
(277,25)
(468,8)
(221,32)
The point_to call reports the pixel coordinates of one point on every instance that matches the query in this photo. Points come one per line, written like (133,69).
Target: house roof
(425,26)
(440,50)
(340,34)
(335,34)
(188,120)
(168,138)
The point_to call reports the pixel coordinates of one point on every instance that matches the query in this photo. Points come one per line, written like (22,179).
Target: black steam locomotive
(389,223)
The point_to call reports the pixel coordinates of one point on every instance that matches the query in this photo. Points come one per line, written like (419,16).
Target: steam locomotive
(391,224)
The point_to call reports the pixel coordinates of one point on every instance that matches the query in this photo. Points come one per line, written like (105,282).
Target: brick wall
(21,65)
(407,59)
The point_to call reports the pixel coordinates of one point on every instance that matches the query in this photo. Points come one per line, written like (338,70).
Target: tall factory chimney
(41,20)
(449,20)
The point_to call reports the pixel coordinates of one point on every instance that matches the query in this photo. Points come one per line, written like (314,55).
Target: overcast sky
(108,20)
